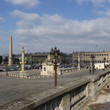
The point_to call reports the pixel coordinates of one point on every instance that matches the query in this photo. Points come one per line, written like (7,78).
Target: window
(44,69)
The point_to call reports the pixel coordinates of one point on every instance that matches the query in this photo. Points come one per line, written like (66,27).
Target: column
(22,72)
(65,103)
(79,61)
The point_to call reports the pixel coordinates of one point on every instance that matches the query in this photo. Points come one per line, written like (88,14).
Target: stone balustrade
(71,96)
(67,70)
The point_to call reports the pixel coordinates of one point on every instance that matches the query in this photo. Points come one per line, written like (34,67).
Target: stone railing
(30,74)
(71,96)
(66,70)
(97,83)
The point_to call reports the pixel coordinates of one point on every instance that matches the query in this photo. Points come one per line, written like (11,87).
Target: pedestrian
(90,70)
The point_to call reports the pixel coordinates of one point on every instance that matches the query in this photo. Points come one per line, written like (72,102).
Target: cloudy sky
(71,25)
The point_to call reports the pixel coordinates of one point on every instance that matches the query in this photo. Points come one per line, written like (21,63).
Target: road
(15,88)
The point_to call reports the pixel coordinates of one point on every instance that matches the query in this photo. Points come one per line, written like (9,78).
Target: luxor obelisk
(10,52)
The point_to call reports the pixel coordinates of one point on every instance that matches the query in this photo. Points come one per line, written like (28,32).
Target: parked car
(1,70)
(13,69)
(36,67)
(4,68)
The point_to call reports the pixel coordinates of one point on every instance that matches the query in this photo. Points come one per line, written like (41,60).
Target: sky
(70,25)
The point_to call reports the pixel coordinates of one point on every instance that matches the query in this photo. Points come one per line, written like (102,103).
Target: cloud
(96,3)
(100,3)
(27,19)
(4,42)
(40,33)
(29,3)
(103,13)
(3,35)
(2,19)
(100,7)
(82,1)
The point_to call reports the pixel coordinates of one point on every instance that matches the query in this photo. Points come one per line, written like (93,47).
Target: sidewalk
(102,102)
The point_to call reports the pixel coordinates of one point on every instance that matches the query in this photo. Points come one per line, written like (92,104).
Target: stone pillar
(65,103)
(10,52)
(92,90)
(79,63)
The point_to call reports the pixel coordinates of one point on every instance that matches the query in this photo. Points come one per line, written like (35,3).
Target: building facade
(85,57)
(31,58)
(0,59)
(36,58)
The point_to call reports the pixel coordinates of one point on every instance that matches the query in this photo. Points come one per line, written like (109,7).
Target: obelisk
(10,52)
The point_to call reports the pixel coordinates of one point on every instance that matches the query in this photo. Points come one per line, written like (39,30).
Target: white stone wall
(49,70)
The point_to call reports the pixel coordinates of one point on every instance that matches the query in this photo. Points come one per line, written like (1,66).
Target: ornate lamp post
(22,72)
(55,55)
(23,59)
(104,63)
(92,63)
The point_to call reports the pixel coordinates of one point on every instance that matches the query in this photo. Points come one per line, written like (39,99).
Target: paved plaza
(12,88)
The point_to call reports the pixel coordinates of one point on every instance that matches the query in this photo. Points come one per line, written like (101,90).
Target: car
(13,69)
(4,68)
(36,67)
(1,70)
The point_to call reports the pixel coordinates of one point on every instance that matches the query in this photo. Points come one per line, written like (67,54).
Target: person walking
(90,70)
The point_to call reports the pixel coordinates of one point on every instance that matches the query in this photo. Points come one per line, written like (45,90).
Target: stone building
(85,57)
(39,58)
(35,58)
(48,67)
(66,58)
(31,58)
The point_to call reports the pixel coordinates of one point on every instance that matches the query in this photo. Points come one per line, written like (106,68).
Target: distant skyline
(70,25)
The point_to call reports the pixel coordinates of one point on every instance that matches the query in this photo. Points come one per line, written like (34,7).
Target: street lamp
(23,59)
(22,72)
(92,63)
(55,56)
(104,63)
